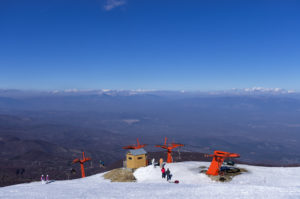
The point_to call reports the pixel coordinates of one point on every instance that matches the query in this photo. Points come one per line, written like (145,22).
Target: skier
(163,173)
(169,175)
(47,178)
(42,179)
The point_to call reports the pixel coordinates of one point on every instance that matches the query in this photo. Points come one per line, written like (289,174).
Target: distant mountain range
(70,92)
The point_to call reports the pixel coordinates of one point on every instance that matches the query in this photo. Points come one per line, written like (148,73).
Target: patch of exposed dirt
(225,176)
(120,175)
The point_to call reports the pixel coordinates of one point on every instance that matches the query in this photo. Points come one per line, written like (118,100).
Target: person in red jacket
(163,172)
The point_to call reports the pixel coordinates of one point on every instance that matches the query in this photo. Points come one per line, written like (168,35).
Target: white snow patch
(260,182)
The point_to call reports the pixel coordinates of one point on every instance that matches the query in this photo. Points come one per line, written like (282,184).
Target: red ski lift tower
(138,146)
(217,161)
(169,148)
(81,161)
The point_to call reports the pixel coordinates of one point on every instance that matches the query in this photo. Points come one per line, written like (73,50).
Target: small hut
(136,158)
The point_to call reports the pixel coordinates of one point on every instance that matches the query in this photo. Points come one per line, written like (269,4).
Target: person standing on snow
(163,173)
(47,178)
(101,164)
(153,162)
(169,175)
(42,179)
(161,162)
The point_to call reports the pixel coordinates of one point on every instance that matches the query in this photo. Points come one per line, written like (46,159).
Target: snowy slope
(260,182)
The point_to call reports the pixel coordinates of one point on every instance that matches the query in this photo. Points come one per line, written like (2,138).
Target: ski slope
(259,182)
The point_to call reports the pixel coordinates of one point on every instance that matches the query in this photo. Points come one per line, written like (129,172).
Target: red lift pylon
(81,161)
(138,146)
(169,148)
(217,161)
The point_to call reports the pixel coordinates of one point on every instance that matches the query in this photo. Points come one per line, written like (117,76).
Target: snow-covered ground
(259,182)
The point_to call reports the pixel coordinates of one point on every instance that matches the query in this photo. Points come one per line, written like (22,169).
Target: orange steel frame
(81,161)
(217,161)
(138,146)
(169,148)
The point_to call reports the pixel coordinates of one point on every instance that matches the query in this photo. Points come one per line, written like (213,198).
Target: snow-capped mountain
(258,90)
(170,93)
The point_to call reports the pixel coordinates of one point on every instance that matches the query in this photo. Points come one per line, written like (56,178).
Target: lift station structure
(136,156)
(217,161)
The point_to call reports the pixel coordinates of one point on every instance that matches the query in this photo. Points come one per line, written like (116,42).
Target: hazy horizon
(251,89)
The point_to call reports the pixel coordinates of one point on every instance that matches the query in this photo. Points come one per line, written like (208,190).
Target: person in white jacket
(153,162)
(42,179)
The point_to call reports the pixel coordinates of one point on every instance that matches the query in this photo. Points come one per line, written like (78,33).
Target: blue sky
(149,44)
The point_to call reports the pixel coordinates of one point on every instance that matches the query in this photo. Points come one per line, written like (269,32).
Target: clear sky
(149,44)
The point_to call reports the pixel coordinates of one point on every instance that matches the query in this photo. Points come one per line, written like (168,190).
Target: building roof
(140,151)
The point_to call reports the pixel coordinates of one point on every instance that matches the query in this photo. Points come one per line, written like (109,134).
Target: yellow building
(136,158)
